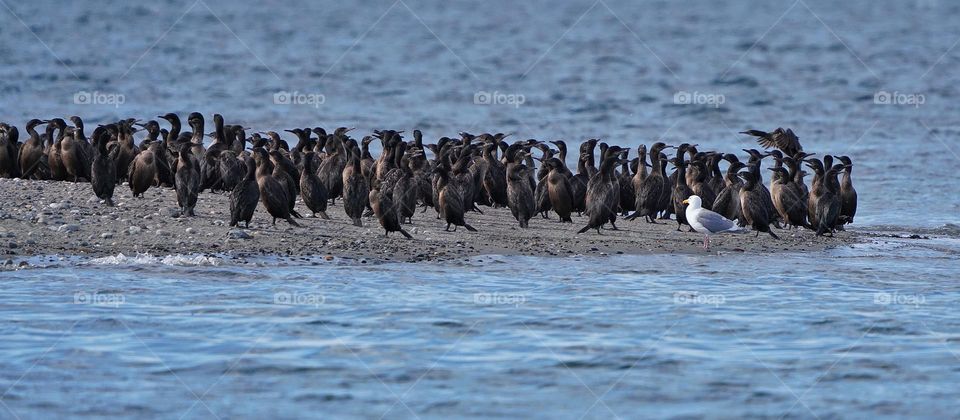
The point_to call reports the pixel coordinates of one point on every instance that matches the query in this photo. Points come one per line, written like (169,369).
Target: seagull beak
(686,201)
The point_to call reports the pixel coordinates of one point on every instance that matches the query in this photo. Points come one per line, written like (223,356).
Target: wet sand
(47,217)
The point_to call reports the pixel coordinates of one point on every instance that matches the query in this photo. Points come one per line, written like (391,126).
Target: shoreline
(64,218)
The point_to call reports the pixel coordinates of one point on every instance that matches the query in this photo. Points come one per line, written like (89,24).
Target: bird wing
(713,221)
(785,140)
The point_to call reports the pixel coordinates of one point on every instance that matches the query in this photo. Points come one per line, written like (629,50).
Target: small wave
(148,259)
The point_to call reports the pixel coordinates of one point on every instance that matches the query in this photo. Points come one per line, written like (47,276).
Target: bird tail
(585,228)
(470,228)
(406,234)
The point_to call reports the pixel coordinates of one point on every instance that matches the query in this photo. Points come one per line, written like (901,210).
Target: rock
(31,242)
(171,212)
(68,228)
(13,245)
(238,234)
(191,230)
(106,235)
(133,230)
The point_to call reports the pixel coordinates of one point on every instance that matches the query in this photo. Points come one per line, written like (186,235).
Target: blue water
(868,331)
(733,336)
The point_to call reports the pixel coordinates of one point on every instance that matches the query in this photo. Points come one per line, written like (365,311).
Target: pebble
(13,245)
(133,230)
(191,230)
(238,234)
(106,235)
(68,228)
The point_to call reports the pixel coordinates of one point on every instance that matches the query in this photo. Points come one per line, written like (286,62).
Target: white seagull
(706,221)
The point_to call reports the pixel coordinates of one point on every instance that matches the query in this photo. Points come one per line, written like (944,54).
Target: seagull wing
(714,222)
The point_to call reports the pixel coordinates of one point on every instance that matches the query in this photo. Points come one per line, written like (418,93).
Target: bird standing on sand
(313,192)
(848,194)
(603,193)
(355,189)
(187,180)
(519,193)
(753,206)
(273,193)
(558,189)
(103,171)
(705,221)
(143,170)
(244,196)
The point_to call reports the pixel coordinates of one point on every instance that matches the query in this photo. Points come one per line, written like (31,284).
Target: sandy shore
(46,217)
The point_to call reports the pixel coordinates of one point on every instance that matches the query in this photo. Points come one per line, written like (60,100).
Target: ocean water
(864,331)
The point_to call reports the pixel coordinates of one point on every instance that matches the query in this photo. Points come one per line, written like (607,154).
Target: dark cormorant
(273,194)
(245,195)
(103,170)
(495,182)
(451,197)
(31,152)
(557,184)
(828,203)
(143,171)
(54,157)
(727,203)
(848,195)
(603,193)
(782,139)
(753,207)
(355,190)
(788,199)
(187,180)
(128,150)
(9,148)
(681,191)
(288,182)
(312,191)
(519,194)
(650,190)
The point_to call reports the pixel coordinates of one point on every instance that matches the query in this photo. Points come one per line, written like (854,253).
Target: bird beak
(686,201)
